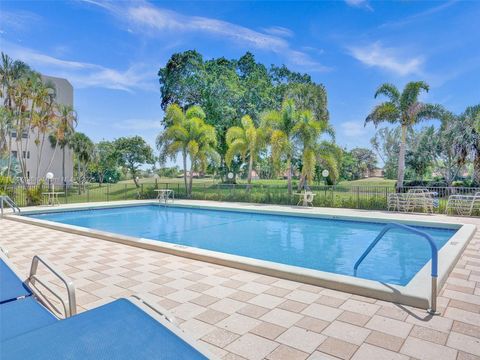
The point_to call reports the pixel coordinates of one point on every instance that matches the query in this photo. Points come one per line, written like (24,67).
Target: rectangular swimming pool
(329,245)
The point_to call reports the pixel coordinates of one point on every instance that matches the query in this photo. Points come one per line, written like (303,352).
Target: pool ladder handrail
(433,300)
(5,199)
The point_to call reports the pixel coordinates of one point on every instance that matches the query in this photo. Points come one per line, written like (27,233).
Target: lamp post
(49,177)
(156,180)
(325,174)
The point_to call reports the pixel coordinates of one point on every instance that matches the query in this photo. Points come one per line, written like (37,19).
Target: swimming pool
(328,245)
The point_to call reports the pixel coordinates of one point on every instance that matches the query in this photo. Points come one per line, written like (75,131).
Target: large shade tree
(245,141)
(133,152)
(403,108)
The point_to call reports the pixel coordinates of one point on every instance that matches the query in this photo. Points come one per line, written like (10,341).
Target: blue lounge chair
(21,309)
(123,329)
(11,287)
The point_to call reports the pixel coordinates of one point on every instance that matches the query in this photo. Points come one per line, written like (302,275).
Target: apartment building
(51,160)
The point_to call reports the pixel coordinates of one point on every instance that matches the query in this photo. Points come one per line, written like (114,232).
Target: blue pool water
(320,244)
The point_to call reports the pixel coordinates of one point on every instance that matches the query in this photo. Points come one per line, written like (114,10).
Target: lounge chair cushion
(20,316)
(11,287)
(118,330)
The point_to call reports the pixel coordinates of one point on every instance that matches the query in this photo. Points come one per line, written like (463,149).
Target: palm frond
(384,112)
(390,91)
(411,93)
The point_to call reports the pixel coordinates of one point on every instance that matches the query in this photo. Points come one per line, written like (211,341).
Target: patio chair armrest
(160,311)
(70,287)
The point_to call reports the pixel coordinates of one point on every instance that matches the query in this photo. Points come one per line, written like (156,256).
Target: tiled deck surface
(239,314)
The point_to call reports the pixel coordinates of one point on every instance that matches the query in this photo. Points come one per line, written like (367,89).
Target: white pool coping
(416,293)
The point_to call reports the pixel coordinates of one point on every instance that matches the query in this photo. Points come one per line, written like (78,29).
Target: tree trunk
(63,165)
(79,177)
(289,175)
(250,169)
(476,168)
(191,181)
(134,175)
(401,158)
(184,155)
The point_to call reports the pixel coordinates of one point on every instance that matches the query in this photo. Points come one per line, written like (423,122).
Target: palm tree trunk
(401,158)
(79,176)
(289,175)
(184,155)
(190,181)
(250,169)
(63,168)
(476,168)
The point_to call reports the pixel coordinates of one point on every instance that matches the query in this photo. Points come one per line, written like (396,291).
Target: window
(14,154)
(28,174)
(26,154)
(24,134)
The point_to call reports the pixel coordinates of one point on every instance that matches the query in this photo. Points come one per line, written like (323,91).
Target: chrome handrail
(5,199)
(72,304)
(433,299)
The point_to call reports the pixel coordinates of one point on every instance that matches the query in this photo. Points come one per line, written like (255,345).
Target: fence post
(108,192)
(125,192)
(88,194)
(358,197)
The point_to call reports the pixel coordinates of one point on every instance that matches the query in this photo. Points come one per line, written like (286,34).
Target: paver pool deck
(243,315)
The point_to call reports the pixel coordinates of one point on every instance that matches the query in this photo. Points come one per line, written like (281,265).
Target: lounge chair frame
(69,310)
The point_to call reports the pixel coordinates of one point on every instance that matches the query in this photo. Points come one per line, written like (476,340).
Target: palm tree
(188,134)
(83,148)
(279,125)
(246,140)
(404,109)
(66,120)
(307,132)
(10,72)
(174,138)
(202,142)
(467,138)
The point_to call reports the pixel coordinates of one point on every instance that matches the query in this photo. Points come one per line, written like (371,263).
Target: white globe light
(49,176)
(325,173)
(230,175)
(156,176)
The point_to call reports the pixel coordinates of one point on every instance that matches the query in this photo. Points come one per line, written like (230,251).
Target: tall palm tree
(10,72)
(83,148)
(188,134)
(279,126)
(202,143)
(467,139)
(307,132)
(404,109)
(66,120)
(245,140)
(174,139)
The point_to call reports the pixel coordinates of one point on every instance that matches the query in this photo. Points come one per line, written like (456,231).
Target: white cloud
(390,59)
(145,18)
(16,21)
(359,3)
(83,74)
(279,31)
(139,124)
(353,129)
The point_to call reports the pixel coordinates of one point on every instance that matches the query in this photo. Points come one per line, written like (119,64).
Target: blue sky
(111,51)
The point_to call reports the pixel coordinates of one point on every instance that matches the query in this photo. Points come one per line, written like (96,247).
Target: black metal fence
(357,197)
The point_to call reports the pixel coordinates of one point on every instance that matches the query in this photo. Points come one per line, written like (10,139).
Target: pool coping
(416,293)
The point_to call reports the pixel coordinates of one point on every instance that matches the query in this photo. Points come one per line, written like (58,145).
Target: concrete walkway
(239,314)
